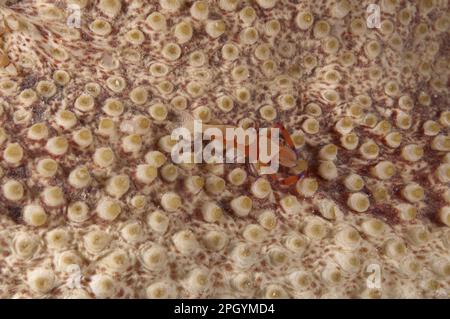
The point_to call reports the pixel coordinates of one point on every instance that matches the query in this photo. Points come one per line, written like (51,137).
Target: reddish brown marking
(288,181)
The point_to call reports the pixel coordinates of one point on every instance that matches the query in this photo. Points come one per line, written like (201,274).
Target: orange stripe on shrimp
(285,134)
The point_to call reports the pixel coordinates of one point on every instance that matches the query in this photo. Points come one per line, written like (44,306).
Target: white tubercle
(349,262)
(96,240)
(155,158)
(117,261)
(194,183)
(118,185)
(132,232)
(341,9)
(198,280)
(103,286)
(53,196)
(327,170)
(241,205)
(58,239)
(199,10)
(171,5)
(171,201)
(228,5)
(156,21)
(290,204)
(261,188)
(57,145)
(441,267)
(110,7)
(332,275)
(38,131)
(104,157)
(418,235)
(413,192)
(443,172)
(212,212)
(395,248)
(243,282)
(307,186)
(244,255)
(215,240)
(410,266)
(267,4)
(185,242)
(301,280)
(328,209)
(78,212)
(13,190)
(444,215)
(68,261)
(83,137)
(278,256)
(274,291)
(254,233)
(315,228)
(146,173)
(34,215)
(158,221)
(296,243)
(160,290)
(108,209)
(41,280)
(215,28)
(304,20)
(441,143)
(383,170)
(348,238)
(79,177)
(328,152)
(354,182)
(406,211)
(155,257)
(267,219)
(25,245)
(373,227)
(358,202)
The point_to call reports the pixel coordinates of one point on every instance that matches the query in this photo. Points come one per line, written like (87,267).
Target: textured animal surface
(91,205)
